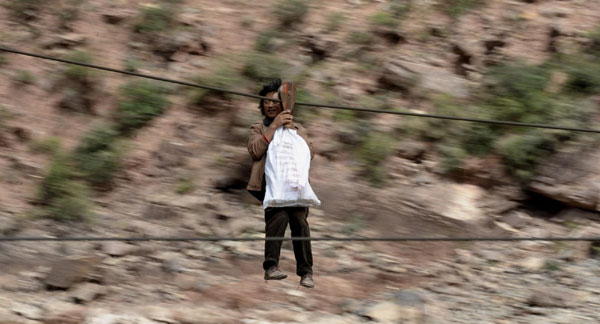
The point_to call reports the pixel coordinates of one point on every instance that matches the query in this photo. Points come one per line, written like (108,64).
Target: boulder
(571,177)
(68,271)
(171,154)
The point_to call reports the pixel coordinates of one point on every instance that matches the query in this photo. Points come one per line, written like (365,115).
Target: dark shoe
(307,281)
(273,273)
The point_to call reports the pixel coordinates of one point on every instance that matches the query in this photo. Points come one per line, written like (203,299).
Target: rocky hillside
(90,153)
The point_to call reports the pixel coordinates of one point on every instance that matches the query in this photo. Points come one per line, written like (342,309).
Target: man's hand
(284,118)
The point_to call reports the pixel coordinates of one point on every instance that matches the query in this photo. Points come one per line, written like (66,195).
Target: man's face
(272,108)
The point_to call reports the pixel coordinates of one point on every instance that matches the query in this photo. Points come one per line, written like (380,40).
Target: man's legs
(276,221)
(302,249)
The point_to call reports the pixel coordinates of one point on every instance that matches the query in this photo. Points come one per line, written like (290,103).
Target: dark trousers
(277,220)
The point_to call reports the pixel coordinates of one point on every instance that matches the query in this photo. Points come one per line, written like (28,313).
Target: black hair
(272,86)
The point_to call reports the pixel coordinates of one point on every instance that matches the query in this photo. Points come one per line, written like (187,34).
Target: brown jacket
(257,147)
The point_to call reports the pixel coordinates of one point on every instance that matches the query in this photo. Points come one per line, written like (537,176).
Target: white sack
(286,171)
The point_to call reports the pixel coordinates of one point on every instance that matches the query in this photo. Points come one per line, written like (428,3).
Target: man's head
(267,107)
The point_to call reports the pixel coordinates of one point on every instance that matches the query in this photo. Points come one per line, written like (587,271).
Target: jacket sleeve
(302,132)
(257,146)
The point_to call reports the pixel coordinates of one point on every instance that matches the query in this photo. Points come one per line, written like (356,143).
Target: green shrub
(48,145)
(400,8)
(453,156)
(155,18)
(372,153)
(594,47)
(185,186)
(384,19)
(334,21)
(140,102)
(521,152)
(456,8)
(55,181)
(131,64)
(223,77)
(291,12)
(269,41)
(584,76)
(78,73)
(24,9)
(74,205)
(3,59)
(24,77)
(360,38)
(99,156)
(261,66)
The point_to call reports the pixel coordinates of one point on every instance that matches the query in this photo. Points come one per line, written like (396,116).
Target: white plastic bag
(286,171)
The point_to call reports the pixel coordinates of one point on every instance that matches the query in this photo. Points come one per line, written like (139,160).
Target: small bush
(24,77)
(360,38)
(74,205)
(185,186)
(49,145)
(453,156)
(334,21)
(24,9)
(269,41)
(223,77)
(594,47)
(76,72)
(260,66)
(155,18)
(456,8)
(291,12)
(140,102)
(372,153)
(400,8)
(384,19)
(131,64)
(584,76)
(521,152)
(99,156)
(3,59)
(55,181)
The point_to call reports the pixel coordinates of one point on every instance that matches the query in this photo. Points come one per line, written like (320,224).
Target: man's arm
(257,145)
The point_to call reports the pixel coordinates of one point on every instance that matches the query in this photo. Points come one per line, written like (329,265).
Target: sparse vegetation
(334,21)
(184,186)
(261,66)
(24,9)
(98,156)
(456,8)
(360,38)
(291,12)
(48,145)
(155,17)
(222,77)
(62,198)
(140,102)
(384,19)
(269,41)
(24,77)
(372,153)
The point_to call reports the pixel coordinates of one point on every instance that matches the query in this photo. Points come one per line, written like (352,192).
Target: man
(277,219)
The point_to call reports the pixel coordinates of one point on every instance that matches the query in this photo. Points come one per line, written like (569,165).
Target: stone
(28,311)
(171,154)
(396,75)
(550,297)
(571,177)
(115,16)
(59,312)
(66,272)
(532,264)
(160,211)
(117,248)
(87,292)
(516,219)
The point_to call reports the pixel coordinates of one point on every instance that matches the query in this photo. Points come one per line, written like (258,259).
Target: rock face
(68,271)
(572,178)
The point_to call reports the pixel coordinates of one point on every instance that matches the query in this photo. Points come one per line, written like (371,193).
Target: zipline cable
(403,113)
(303,238)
